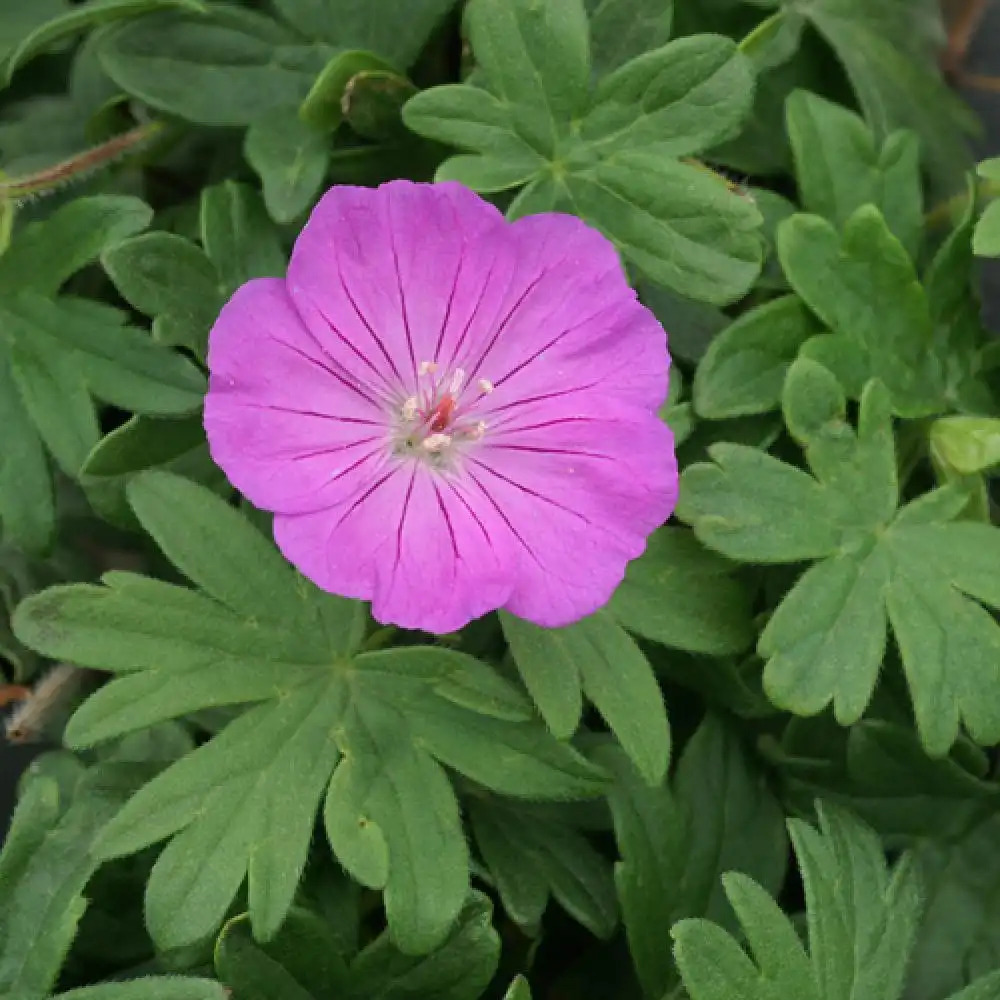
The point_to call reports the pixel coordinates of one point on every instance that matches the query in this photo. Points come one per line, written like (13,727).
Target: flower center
(432,423)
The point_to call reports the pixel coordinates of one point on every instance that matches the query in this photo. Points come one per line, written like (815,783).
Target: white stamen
(485,386)
(428,367)
(436,443)
(410,408)
(454,387)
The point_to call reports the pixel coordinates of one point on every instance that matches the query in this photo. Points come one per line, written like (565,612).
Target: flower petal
(283,421)
(415,547)
(581,495)
(402,274)
(570,319)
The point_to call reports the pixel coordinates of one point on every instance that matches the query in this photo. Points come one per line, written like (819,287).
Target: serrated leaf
(752,507)
(43,901)
(744,368)
(242,805)
(530,856)
(610,155)
(838,167)
(115,363)
(863,287)
(53,393)
(409,801)
(612,671)
(681,595)
(861,921)
(675,843)
(889,59)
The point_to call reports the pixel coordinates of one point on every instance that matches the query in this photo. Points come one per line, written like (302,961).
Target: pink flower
(447,413)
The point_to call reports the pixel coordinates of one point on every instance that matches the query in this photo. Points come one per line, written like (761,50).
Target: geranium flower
(446,412)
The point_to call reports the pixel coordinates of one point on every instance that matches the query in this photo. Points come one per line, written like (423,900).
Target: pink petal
(283,419)
(580,495)
(414,546)
(570,319)
(403,274)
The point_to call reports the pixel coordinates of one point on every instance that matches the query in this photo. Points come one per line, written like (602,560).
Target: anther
(436,443)
(410,406)
(485,386)
(428,367)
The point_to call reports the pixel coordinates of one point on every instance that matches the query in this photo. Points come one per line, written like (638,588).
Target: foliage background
(766,769)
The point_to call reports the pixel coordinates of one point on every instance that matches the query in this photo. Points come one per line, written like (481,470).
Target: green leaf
(459,969)
(27,512)
(291,158)
(238,237)
(518,989)
(300,962)
(986,240)
(754,508)
(119,364)
(52,392)
(679,594)
(532,854)
(225,69)
(257,824)
(165,275)
(881,772)
(598,655)
(620,30)
(609,156)
(838,167)
(45,254)
(863,287)
(956,938)
(548,672)
(141,443)
(84,17)
(150,988)
(373,26)
(892,67)
(861,921)
(680,224)
(42,898)
(826,640)
(242,806)
(744,368)
(675,843)
(322,109)
(392,786)
(966,444)
(983,988)
(230,560)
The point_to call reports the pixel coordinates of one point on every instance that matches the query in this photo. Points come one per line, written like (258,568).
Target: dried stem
(18,189)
